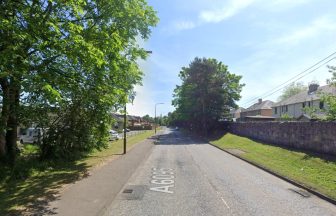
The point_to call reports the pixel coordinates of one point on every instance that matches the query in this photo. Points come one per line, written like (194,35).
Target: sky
(266,42)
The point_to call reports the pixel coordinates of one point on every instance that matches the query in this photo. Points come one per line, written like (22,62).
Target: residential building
(235,114)
(296,105)
(258,111)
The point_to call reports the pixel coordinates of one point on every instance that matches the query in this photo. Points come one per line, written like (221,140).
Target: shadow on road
(178,138)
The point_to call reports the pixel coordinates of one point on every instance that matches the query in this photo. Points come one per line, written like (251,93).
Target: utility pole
(125,118)
(132,95)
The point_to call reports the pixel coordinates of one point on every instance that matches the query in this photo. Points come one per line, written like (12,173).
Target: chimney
(260,101)
(312,87)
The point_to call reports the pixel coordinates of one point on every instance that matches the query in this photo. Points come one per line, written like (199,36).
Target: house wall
(317,137)
(294,110)
(266,112)
(263,112)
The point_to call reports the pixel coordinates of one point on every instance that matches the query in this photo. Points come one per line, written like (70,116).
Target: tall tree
(330,99)
(291,90)
(207,93)
(59,53)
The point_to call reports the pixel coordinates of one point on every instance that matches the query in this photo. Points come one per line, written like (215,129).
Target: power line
(300,77)
(303,73)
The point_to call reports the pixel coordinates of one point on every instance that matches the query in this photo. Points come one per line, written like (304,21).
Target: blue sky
(267,42)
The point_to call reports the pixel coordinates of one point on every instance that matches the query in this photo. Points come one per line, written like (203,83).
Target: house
(295,106)
(258,111)
(133,122)
(235,114)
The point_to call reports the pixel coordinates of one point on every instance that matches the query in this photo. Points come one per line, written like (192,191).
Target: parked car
(31,135)
(113,135)
(127,130)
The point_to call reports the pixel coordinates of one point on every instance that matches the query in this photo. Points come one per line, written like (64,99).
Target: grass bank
(27,188)
(314,171)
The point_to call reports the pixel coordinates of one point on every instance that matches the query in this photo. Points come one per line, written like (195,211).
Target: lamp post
(131,97)
(155,117)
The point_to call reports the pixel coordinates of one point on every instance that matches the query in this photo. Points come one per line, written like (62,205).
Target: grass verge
(36,183)
(317,172)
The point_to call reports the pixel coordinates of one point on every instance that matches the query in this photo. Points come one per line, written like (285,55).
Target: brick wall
(312,136)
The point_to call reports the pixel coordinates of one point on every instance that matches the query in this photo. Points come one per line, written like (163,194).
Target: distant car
(113,135)
(177,128)
(127,130)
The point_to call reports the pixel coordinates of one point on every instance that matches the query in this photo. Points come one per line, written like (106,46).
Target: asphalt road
(184,177)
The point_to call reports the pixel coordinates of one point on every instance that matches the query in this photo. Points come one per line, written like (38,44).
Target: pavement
(94,194)
(182,176)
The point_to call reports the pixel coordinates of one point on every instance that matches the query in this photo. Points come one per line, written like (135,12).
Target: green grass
(32,183)
(314,171)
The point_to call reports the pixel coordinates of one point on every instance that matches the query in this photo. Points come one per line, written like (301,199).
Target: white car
(31,135)
(113,135)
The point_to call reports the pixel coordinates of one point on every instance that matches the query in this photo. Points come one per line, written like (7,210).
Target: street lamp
(131,97)
(155,116)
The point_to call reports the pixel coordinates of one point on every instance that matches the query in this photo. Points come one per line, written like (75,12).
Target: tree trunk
(12,123)
(4,116)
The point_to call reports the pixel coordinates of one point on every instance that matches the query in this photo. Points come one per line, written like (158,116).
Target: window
(276,110)
(286,108)
(321,104)
(309,103)
(303,104)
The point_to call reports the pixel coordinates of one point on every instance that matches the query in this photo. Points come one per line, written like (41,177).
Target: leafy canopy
(207,92)
(67,63)
(291,90)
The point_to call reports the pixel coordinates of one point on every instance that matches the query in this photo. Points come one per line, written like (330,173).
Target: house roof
(267,104)
(305,96)
(240,109)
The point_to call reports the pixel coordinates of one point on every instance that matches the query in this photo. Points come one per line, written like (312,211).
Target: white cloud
(277,5)
(232,8)
(318,26)
(184,25)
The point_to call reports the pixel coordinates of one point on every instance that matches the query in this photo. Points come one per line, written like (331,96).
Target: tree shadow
(29,187)
(179,138)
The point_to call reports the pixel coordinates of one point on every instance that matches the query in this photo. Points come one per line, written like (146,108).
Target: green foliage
(291,90)
(32,179)
(207,93)
(286,117)
(67,63)
(147,118)
(314,171)
(330,99)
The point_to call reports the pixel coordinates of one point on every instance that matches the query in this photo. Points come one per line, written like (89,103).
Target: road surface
(184,177)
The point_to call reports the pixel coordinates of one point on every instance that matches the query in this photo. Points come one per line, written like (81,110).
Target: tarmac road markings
(163,180)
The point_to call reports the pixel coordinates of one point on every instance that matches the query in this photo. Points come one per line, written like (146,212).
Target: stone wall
(318,137)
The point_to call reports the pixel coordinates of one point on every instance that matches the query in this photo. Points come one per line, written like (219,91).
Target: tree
(68,58)
(207,93)
(292,89)
(147,118)
(330,99)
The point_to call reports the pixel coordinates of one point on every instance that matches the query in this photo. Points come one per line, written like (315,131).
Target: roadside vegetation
(314,171)
(65,67)
(32,183)
(207,93)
